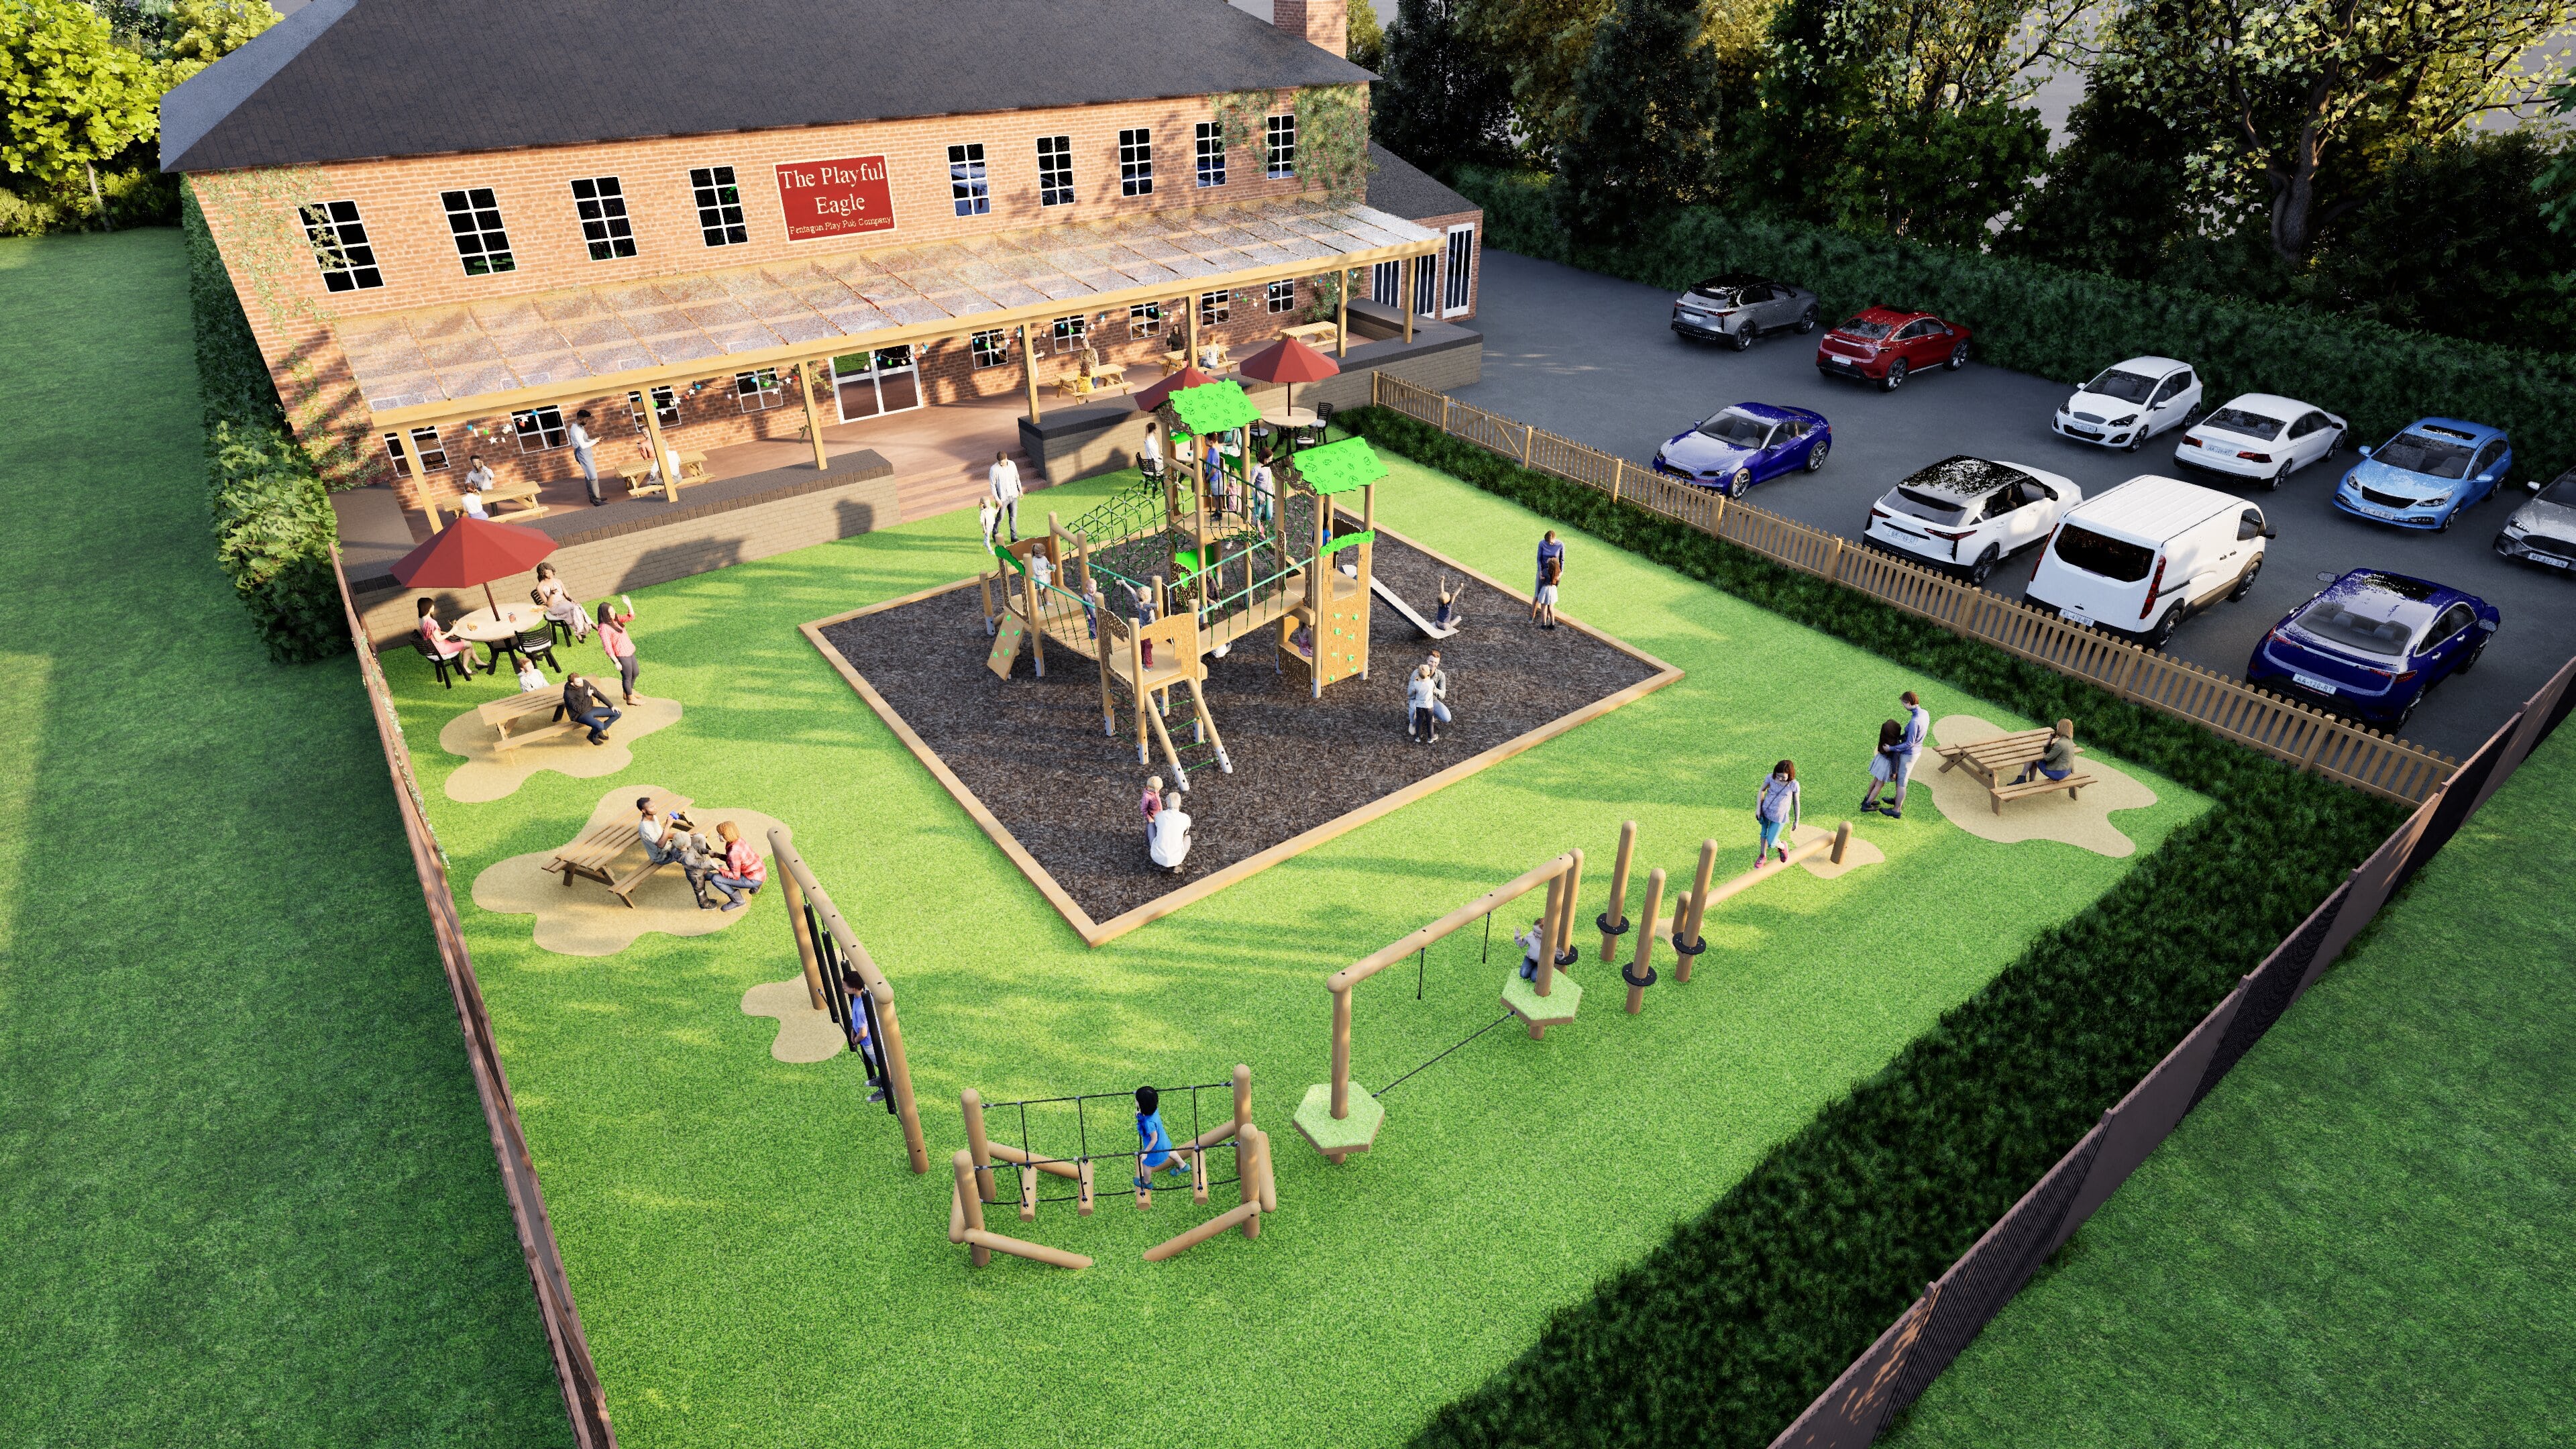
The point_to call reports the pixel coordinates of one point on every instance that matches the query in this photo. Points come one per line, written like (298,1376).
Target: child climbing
(1447,618)
(1156,1151)
(1882,765)
(1775,809)
(1532,943)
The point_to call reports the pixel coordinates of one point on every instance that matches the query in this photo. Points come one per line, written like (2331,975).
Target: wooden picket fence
(2365,759)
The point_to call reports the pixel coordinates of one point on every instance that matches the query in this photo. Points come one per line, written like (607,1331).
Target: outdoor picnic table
(598,851)
(693,466)
(1997,764)
(1318,335)
(500,635)
(522,495)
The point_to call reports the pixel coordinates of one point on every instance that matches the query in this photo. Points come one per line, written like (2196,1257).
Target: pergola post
(1342,317)
(1029,369)
(813,417)
(1407,298)
(1190,330)
(419,479)
(666,464)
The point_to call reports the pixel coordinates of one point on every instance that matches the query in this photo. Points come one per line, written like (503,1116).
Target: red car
(1884,344)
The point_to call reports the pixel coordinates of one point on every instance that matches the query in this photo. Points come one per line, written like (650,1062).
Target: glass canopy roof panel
(623,354)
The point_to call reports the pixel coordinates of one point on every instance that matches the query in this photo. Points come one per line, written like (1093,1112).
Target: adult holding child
(1917,725)
(1168,837)
(1551,573)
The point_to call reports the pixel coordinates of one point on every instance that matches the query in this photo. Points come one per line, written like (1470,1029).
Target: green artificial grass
(754,1263)
(245,1188)
(2363,1235)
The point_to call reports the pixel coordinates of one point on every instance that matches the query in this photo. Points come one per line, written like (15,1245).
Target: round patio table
(1289,417)
(500,635)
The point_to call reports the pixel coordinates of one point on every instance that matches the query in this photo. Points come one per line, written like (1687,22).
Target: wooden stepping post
(976,1253)
(1698,908)
(1614,919)
(971,1102)
(1641,972)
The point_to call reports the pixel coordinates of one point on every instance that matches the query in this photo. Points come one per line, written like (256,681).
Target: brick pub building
(833,245)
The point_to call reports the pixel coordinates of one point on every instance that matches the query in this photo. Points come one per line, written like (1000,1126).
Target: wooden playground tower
(1151,583)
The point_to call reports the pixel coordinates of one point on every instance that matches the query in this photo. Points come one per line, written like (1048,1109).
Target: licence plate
(2310,681)
(1846,364)
(2078,616)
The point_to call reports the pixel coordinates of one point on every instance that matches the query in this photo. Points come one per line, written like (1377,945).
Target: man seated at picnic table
(587,707)
(2057,761)
(663,835)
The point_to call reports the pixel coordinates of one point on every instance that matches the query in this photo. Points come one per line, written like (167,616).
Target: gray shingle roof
(345,79)
(1400,188)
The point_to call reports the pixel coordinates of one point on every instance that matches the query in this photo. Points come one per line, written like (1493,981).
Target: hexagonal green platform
(1354,1133)
(1563,999)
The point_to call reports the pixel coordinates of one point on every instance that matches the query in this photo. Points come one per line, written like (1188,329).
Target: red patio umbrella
(1152,397)
(472,551)
(1291,362)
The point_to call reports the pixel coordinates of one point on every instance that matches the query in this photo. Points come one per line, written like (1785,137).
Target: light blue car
(2425,475)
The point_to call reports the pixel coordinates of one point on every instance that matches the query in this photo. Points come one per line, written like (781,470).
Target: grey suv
(1735,307)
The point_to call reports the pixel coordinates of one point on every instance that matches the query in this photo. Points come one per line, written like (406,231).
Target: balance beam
(1204,1231)
(1034,1252)
(1007,1153)
(1827,845)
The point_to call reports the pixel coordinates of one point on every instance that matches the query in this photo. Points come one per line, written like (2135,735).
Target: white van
(2138,557)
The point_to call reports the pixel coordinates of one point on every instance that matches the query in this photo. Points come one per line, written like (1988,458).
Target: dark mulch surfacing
(1034,753)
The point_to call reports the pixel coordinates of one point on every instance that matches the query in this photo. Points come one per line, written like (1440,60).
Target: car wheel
(1806,321)
(1737,485)
(2136,441)
(2398,720)
(1958,357)
(1816,455)
(2445,525)
(2161,635)
(1895,376)
(2273,483)
(2245,580)
(2334,444)
(1742,337)
(1984,568)
(2469,660)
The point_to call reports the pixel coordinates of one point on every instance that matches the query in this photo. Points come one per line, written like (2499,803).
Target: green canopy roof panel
(1340,467)
(1214,408)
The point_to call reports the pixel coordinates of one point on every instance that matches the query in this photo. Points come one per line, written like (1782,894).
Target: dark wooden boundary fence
(2284,729)
(1893,1371)
(583,1401)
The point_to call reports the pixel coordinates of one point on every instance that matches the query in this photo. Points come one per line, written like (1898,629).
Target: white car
(2260,437)
(2127,404)
(1970,514)
(2135,559)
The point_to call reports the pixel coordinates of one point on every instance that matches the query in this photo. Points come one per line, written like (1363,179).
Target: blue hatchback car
(2425,475)
(2371,643)
(1746,444)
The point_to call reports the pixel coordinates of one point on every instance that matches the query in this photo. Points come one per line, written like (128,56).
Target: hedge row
(1723,1333)
(272,514)
(2067,325)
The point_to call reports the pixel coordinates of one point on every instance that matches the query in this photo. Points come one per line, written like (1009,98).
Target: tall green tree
(1367,45)
(2113,201)
(201,32)
(2304,101)
(2557,183)
(1443,103)
(70,95)
(1646,121)
(1540,48)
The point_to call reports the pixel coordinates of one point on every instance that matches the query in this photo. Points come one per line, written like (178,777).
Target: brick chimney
(1325,23)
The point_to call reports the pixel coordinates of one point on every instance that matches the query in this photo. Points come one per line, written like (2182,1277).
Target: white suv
(2135,559)
(1970,514)
(2126,404)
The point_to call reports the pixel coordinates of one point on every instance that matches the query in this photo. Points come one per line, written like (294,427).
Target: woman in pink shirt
(744,871)
(620,646)
(444,644)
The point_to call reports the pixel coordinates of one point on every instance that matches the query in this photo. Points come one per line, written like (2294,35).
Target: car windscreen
(2431,457)
(2377,624)
(1862,327)
(1736,430)
(1717,289)
(2245,424)
(2124,563)
(1925,506)
(2126,386)
(2562,492)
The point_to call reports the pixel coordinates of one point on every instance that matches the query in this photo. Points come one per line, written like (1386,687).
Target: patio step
(945,490)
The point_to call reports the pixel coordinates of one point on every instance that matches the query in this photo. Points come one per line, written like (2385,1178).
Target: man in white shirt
(1004,477)
(1170,834)
(661,843)
(478,476)
(1149,458)
(1918,723)
(582,443)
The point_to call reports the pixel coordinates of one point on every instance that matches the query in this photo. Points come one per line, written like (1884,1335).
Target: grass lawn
(247,1194)
(2363,1236)
(755,1265)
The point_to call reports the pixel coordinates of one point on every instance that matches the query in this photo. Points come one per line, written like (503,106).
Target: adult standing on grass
(744,872)
(1002,485)
(582,444)
(1909,748)
(1775,808)
(1551,572)
(620,646)
(587,707)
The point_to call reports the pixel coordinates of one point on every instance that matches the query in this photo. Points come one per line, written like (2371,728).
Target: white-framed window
(755,390)
(539,429)
(1136,162)
(666,408)
(1145,319)
(719,206)
(340,246)
(1283,296)
(601,203)
(967,184)
(424,441)
(1067,332)
(1215,307)
(990,349)
(1457,286)
(1279,147)
(474,220)
(1211,154)
(1055,170)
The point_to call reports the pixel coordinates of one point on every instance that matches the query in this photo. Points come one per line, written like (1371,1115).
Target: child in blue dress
(1776,809)
(1156,1151)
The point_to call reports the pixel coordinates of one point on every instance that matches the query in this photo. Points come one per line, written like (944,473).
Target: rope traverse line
(1480,1031)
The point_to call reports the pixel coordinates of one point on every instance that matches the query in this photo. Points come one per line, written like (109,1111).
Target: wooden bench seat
(596,855)
(2038,785)
(1996,764)
(693,469)
(530,714)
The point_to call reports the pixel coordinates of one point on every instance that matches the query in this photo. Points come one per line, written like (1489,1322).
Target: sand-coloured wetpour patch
(1857,852)
(2084,822)
(490,772)
(804,1034)
(584,919)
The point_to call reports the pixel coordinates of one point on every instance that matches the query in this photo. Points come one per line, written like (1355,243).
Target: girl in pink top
(620,646)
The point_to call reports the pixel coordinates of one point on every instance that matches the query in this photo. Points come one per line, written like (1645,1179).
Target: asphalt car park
(1595,359)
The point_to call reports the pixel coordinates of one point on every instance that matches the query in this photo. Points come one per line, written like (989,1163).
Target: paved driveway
(1593,359)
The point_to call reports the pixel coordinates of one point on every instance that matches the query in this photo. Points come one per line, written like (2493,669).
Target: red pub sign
(847,197)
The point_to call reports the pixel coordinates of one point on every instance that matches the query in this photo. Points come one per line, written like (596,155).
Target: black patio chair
(539,645)
(440,662)
(561,629)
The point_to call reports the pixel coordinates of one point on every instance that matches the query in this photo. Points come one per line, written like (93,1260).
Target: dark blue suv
(2371,643)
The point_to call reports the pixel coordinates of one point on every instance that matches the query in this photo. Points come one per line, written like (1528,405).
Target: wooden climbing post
(1698,908)
(976,1253)
(1842,841)
(1641,971)
(971,1103)
(1565,952)
(1242,1098)
(1682,959)
(1550,919)
(1341,1052)
(1614,920)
